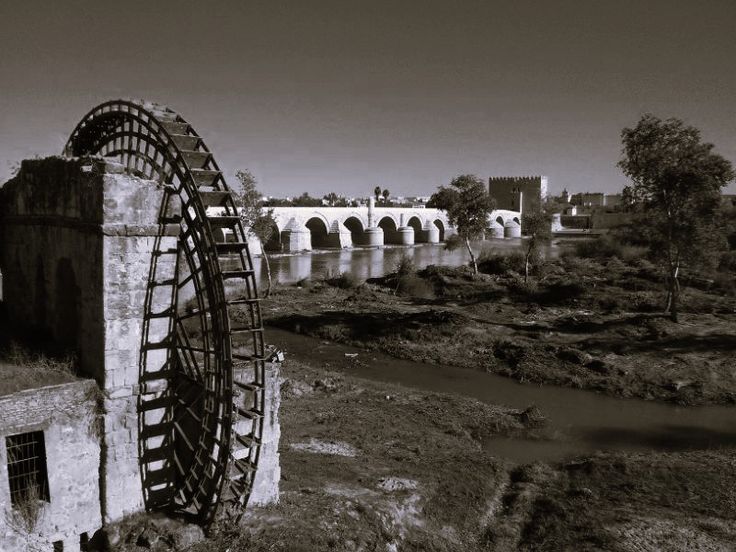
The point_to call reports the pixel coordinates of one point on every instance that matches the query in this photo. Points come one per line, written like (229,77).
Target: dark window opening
(83,542)
(58,546)
(27,473)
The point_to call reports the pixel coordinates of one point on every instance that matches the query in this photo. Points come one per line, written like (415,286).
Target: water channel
(580,421)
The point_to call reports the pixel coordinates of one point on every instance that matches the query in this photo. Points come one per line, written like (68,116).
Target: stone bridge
(307,228)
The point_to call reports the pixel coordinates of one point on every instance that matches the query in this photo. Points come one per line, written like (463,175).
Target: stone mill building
(92,253)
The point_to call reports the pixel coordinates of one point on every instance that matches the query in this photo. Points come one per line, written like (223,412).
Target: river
(372,262)
(581,422)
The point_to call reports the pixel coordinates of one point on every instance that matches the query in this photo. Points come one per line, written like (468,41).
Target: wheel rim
(201,454)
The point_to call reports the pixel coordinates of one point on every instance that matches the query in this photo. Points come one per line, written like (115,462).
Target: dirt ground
(369,466)
(376,467)
(595,328)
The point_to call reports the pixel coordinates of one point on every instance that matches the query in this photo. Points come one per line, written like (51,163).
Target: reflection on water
(581,421)
(373,262)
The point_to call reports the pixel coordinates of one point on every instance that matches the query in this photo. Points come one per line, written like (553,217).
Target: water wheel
(200,456)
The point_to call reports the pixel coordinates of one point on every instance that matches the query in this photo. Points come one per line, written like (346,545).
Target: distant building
(518,193)
(613,201)
(588,199)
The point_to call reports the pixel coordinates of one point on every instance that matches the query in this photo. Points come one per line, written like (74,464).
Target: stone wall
(68,416)
(266,484)
(78,238)
(506,190)
(76,253)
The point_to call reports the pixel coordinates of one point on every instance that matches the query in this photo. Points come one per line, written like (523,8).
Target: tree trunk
(526,262)
(268,271)
(675,291)
(472,257)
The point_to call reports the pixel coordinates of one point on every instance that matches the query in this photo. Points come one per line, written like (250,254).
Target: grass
(20,369)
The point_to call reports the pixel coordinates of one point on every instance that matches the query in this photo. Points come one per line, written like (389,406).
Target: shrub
(304,283)
(725,282)
(606,247)
(501,264)
(727,262)
(405,266)
(414,286)
(561,291)
(344,280)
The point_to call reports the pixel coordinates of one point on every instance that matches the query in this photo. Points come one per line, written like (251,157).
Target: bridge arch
(357,229)
(441,227)
(319,230)
(274,243)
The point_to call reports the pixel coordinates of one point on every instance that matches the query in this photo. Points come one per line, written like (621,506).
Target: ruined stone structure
(518,193)
(116,259)
(63,421)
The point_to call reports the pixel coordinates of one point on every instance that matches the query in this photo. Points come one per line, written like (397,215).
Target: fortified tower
(518,193)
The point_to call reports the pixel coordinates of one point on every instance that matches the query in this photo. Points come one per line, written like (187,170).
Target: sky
(343,96)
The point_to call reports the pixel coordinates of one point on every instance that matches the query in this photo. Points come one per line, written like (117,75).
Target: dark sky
(345,95)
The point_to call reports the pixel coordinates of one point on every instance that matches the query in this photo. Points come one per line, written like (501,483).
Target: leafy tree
(258,220)
(677,180)
(442,197)
(467,203)
(386,194)
(331,198)
(377,193)
(305,200)
(536,225)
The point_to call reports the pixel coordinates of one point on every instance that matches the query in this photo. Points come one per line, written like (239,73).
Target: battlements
(518,193)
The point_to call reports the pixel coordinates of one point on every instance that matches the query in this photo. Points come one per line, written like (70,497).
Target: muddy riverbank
(374,466)
(590,328)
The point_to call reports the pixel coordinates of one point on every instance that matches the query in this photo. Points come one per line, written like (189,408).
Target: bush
(725,282)
(561,291)
(727,262)
(414,286)
(606,247)
(501,264)
(405,266)
(344,280)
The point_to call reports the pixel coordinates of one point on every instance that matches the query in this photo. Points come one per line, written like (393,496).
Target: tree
(467,203)
(677,181)
(377,193)
(331,198)
(442,197)
(536,225)
(259,221)
(305,200)
(386,194)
